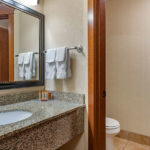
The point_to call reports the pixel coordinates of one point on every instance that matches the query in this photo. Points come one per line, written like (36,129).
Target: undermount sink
(9,117)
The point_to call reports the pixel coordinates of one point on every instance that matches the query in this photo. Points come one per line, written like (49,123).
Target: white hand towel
(21,65)
(63,67)
(20,58)
(60,54)
(50,66)
(27,58)
(50,55)
(50,71)
(29,64)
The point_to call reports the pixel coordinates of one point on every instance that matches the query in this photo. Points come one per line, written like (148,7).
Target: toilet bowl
(112,129)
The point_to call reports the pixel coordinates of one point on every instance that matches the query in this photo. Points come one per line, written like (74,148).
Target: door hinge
(104,94)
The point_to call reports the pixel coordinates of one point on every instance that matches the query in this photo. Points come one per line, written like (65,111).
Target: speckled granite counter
(51,125)
(41,112)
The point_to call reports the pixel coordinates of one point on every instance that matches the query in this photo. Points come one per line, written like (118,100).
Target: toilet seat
(112,123)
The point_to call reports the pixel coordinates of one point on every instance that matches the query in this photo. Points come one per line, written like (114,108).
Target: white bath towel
(63,63)
(29,63)
(21,65)
(50,66)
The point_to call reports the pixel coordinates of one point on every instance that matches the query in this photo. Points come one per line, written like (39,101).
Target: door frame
(96,75)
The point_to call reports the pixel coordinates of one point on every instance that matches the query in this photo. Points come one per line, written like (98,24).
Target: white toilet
(112,129)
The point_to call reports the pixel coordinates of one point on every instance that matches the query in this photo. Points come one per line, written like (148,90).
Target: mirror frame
(40,82)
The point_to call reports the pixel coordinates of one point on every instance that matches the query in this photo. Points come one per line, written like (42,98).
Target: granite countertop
(41,111)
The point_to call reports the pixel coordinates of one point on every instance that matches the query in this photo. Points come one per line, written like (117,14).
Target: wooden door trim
(96,75)
(11,46)
(6,9)
(4,66)
(7,12)
(4,16)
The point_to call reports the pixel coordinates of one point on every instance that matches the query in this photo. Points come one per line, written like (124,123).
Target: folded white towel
(60,54)
(21,65)
(27,58)
(50,71)
(20,58)
(29,64)
(50,66)
(63,67)
(50,55)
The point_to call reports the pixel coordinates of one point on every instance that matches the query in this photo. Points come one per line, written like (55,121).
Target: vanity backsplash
(19,97)
(26,96)
(69,97)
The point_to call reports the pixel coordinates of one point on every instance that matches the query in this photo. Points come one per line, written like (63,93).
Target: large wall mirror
(21,46)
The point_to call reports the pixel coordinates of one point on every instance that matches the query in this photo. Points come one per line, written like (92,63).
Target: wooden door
(96,75)
(7,12)
(4,55)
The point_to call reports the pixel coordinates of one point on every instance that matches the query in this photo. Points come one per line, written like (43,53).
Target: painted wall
(66,25)
(16,44)
(128,64)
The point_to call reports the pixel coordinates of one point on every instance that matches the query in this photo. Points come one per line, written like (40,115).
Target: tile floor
(122,144)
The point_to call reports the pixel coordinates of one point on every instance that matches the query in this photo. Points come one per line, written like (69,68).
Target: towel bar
(33,53)
(78,48)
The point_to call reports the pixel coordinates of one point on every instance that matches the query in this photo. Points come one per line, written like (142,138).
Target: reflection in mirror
(19,45)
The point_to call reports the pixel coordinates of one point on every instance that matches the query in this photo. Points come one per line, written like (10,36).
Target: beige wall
(66,25)
(16,43)
(128,64)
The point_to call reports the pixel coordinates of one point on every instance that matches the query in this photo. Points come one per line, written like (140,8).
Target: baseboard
(138,138)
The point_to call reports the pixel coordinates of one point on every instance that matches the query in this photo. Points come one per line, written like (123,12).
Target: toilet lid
(112,123)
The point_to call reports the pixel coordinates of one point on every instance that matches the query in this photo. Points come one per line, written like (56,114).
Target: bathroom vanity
(51,125)
(26,123)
